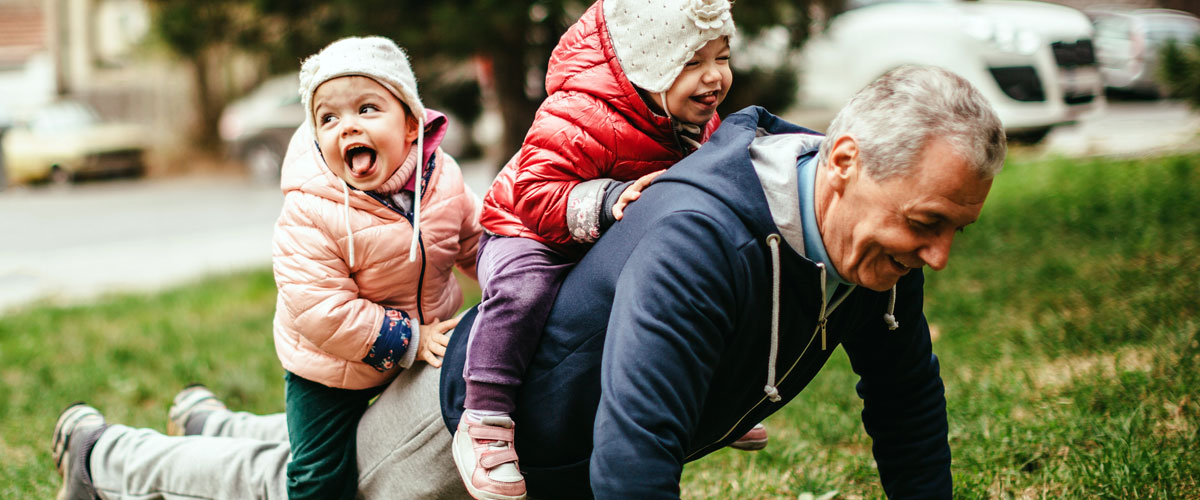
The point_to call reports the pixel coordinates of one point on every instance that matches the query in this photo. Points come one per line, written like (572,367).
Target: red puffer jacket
(594,125)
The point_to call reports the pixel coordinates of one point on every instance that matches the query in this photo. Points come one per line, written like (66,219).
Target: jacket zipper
(816,330)
(420,243)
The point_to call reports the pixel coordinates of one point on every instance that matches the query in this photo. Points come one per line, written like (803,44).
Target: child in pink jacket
(375,218)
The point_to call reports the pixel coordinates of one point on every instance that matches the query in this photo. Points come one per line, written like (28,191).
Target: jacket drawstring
(346,212)
(770,389)
(420,173)
(890,316)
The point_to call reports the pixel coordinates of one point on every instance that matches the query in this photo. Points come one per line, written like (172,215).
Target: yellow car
(66,140)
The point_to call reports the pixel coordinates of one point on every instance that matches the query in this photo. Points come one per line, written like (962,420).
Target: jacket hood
(584,61)
(765,197)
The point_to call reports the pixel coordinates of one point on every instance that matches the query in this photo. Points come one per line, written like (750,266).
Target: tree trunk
(209,106)
(516,108)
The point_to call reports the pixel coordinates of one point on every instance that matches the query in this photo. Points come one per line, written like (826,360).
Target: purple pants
(520,278)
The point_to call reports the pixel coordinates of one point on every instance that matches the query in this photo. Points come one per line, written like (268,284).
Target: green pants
(321,423)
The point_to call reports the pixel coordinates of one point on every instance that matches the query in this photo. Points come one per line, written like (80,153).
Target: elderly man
(713,303)
(728,284)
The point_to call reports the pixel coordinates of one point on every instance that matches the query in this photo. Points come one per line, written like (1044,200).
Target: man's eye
(920,224)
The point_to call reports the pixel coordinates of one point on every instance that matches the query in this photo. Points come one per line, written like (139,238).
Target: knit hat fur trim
(654,39)
(374,57)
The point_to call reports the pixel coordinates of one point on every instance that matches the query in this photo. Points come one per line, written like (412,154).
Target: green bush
(1179,67)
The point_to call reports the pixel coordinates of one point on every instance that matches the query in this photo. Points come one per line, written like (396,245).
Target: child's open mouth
(361,160)
(706,99)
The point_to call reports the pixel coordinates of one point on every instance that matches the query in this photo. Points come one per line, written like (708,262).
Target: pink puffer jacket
(328,315)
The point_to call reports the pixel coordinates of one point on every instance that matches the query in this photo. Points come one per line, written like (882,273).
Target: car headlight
(1003,36)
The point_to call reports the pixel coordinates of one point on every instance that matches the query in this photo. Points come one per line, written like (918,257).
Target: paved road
(1126,129)
(72,244)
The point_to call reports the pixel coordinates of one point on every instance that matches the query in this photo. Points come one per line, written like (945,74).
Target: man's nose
(937,253)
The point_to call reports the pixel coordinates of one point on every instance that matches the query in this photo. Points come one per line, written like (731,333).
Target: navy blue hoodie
(657,350)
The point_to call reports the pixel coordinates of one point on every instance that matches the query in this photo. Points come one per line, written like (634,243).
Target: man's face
(876,232)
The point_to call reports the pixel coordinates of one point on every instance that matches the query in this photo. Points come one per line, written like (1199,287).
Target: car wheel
(264,162)
(60,176)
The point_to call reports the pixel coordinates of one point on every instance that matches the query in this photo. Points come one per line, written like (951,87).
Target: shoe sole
(476,493)
(749,445)
(60,445)
(58,442)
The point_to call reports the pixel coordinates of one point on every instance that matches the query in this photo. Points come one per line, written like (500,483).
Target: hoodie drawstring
(823,320)
(770,389)
(420,173)
(890,316)
(346,212)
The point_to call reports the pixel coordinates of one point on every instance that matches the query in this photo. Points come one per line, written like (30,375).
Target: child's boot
(755,439)
(486,458)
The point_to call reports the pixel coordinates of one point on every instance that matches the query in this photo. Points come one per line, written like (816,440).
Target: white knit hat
(379,59)
(654,39)
(374,57)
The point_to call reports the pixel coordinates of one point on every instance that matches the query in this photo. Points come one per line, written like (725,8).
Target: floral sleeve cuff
(391,345)
(584,203)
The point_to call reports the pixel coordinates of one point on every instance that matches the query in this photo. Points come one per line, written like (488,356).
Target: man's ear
(844,164)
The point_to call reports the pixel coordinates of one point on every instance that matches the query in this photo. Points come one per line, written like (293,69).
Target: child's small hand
(633,192)
(434,338)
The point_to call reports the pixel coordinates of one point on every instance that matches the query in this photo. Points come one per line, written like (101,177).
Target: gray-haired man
(715,300)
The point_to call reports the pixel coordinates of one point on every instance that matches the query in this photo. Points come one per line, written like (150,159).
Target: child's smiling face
(702,85)
(364,131)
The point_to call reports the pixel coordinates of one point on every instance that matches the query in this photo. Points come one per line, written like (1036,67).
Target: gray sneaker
(78,428)
(189,409)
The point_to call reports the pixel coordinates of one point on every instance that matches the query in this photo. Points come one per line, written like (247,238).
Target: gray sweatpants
(403,452)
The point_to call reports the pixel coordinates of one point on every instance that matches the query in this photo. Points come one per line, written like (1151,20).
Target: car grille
(1078,99)
(1072,54)
(1019,82)
(114,161)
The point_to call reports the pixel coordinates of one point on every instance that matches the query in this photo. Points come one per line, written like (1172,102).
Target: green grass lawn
(1067,328)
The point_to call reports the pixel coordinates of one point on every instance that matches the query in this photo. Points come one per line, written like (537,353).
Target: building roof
(22,33)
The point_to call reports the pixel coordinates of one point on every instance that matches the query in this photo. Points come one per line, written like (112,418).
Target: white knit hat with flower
(374,57)
(654,39)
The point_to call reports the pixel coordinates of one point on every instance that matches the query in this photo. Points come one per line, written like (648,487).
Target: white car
(1128,42)
(257,127)
(1033,61)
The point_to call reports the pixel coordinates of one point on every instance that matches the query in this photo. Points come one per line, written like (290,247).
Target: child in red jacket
(633,88)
